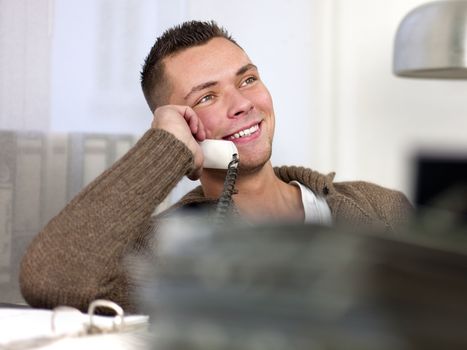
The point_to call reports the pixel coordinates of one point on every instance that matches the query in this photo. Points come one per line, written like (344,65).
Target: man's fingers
(195,174)
(166,118)
(195,124)
(184,124)
(193,121)
(201,134)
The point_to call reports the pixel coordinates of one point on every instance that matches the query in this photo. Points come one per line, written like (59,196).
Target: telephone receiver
(218,153)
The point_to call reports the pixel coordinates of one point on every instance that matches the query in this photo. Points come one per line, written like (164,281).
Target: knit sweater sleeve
(77,257)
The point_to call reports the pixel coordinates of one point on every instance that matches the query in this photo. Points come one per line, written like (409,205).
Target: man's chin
(251,168)
(255,164)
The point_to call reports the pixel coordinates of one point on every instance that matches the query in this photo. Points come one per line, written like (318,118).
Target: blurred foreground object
(306,287)
(431,41)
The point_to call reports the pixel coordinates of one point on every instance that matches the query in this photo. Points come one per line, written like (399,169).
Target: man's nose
(238,104)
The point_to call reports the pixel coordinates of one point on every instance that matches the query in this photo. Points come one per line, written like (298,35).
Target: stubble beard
(249,169)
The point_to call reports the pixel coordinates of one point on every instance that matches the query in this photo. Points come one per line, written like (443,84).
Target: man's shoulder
(389,205)
(320,182)
(352,199)
(369,190)
(317,182)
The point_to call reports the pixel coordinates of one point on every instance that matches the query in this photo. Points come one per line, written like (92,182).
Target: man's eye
(249,80)
(205,99)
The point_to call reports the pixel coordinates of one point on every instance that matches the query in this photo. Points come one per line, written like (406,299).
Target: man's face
(223,87)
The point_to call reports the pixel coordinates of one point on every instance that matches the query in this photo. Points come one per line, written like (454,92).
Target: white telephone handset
(218,153)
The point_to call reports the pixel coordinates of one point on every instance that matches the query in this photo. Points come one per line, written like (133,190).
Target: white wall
(98,48)
(25,37)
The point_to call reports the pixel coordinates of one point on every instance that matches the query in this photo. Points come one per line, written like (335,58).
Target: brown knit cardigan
(77,257)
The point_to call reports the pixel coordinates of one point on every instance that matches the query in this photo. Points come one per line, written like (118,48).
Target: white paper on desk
(30,328)
(113,341)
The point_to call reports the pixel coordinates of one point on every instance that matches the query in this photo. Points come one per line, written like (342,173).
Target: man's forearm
(77,256)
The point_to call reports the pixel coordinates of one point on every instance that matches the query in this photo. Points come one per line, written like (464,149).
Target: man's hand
(184,124)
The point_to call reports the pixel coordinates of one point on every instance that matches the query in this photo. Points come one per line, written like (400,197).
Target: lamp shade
(431,41)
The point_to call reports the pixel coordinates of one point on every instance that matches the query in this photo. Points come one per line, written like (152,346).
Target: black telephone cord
(225,200)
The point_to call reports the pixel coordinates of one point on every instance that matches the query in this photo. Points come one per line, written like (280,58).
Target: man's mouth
(244,133)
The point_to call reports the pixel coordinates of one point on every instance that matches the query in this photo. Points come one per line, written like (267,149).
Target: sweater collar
(343,208)
(320,184)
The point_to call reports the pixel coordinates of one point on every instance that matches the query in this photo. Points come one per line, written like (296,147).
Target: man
(199,84)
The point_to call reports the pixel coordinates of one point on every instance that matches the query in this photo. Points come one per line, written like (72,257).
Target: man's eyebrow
(200,87)
(246,68)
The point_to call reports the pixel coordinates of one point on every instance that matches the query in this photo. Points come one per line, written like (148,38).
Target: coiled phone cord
(225,200)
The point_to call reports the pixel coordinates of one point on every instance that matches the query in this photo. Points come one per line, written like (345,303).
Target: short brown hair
(188,34)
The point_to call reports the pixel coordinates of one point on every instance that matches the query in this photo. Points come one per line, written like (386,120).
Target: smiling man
(199,83)
(216,92)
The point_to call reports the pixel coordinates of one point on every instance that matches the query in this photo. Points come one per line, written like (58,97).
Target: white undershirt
(316,209)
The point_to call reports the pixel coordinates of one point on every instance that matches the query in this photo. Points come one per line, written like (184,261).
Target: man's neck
(261,195)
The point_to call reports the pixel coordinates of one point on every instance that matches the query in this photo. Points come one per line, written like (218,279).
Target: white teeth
(246,132)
